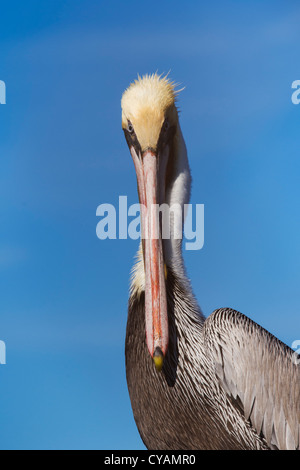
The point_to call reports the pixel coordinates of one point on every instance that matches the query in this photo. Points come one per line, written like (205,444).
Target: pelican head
(150,123)
(148,111)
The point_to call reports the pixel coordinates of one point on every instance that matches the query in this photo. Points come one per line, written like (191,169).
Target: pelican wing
(260,372)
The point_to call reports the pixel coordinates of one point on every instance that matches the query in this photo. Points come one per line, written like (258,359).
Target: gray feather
(259,369)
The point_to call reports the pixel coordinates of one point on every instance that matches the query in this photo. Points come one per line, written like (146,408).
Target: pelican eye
(166,125)
(130,128)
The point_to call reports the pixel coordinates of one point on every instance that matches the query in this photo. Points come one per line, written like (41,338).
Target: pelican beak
(156,313)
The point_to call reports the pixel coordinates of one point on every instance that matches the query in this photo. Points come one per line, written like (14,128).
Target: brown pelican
(221,382)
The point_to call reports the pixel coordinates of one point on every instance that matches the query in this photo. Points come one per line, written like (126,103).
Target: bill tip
(158,359)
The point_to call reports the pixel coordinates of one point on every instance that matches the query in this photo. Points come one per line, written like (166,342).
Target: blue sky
(63,292)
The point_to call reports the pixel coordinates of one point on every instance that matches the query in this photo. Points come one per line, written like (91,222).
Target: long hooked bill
(156,313)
